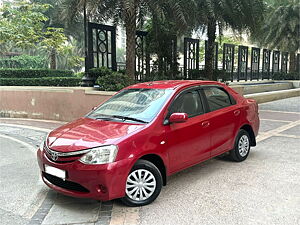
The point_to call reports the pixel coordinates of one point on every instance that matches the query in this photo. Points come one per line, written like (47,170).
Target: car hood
(88,133)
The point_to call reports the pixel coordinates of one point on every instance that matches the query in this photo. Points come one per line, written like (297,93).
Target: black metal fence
(241,62)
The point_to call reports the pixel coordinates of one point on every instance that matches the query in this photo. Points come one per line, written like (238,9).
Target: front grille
(63,157)
(69,185)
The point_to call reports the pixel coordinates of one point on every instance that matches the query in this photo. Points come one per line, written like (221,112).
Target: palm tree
(238,15)
(131,13)
(281,28)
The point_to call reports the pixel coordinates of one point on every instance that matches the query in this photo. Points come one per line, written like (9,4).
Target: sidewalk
(43,124)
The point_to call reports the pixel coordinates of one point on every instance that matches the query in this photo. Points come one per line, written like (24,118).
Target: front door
(187,143)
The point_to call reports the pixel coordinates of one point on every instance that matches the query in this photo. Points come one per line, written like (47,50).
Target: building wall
(63,104)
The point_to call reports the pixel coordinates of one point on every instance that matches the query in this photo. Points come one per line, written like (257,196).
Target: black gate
(228,59)
(168,64)
(298,63)
(191,55)
(141,59)
(266,64)
(174,64)
(101,46)
(284,61)
(216,53)
(242,63)
(255,59)
(275,61)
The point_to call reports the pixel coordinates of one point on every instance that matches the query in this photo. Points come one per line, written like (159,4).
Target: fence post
(228,59)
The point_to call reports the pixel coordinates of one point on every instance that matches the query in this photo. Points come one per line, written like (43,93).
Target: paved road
(21,188)
(264,189)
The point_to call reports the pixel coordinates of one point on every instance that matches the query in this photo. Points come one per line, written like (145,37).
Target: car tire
(241,148)
(144,179)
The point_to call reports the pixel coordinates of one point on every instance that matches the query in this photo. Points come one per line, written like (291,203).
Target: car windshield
(137,105)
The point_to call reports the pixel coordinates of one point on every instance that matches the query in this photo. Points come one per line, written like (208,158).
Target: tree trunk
(211,35)
(53,59)
(130,25)
(292,62)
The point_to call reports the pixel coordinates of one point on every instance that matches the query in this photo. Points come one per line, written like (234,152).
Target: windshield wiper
(128,118)
(104,117)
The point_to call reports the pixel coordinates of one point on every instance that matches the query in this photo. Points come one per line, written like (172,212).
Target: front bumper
(101,182)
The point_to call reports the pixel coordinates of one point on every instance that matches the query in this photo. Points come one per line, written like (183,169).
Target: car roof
(171,84)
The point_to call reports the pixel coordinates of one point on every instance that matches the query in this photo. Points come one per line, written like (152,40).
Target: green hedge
(217,74)
(99,72)
(23,61)
(34,73)
(45,81)
(286,76)
(114,81)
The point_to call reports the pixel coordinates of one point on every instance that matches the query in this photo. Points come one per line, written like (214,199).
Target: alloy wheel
(140,185)
(243,145)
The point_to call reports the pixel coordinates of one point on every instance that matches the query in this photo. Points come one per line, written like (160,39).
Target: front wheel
(241,147)
(143,184)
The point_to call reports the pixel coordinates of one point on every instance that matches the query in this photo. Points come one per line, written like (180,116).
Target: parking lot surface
(264,189)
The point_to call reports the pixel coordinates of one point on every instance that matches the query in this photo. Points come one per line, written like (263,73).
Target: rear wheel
(143,184)
(241,147)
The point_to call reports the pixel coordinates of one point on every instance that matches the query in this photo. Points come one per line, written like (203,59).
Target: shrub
(34,73)
(114,81)
(23,61)
(201,75)
(99,72)
(80,74)
(123,71)
(286,76)
(45,81)
(154,75)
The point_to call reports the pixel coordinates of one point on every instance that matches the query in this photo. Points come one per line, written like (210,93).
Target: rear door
(224,118)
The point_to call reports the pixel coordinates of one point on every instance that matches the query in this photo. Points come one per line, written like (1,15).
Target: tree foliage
(35,27)
(242,15)
(22,23)
(281,27)
(132,14)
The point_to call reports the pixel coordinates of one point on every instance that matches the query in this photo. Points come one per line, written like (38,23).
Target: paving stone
(72,213)
(106,207)
(103,221)
(105,214)
(61,199)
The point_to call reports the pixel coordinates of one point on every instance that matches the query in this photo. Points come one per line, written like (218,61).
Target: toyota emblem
(54,156)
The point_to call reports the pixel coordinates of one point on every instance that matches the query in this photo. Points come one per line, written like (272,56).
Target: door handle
(205,124)
(237,112)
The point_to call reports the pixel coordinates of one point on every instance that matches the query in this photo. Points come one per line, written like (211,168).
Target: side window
(188,102)
(217,98)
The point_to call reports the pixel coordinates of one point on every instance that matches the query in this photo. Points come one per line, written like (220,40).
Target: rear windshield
(139,104)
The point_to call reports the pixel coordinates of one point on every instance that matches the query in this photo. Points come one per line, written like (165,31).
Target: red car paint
(179,145)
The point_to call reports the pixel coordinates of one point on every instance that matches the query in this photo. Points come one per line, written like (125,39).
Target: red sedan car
(128,146)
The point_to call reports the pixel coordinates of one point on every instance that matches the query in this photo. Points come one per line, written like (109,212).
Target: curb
(274,95)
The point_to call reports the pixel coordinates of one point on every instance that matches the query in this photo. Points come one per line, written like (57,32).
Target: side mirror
(178,118)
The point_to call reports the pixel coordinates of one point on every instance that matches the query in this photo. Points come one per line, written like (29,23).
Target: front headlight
(100,155)
(42,145)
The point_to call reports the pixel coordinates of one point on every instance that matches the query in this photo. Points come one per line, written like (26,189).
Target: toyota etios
(128,146)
